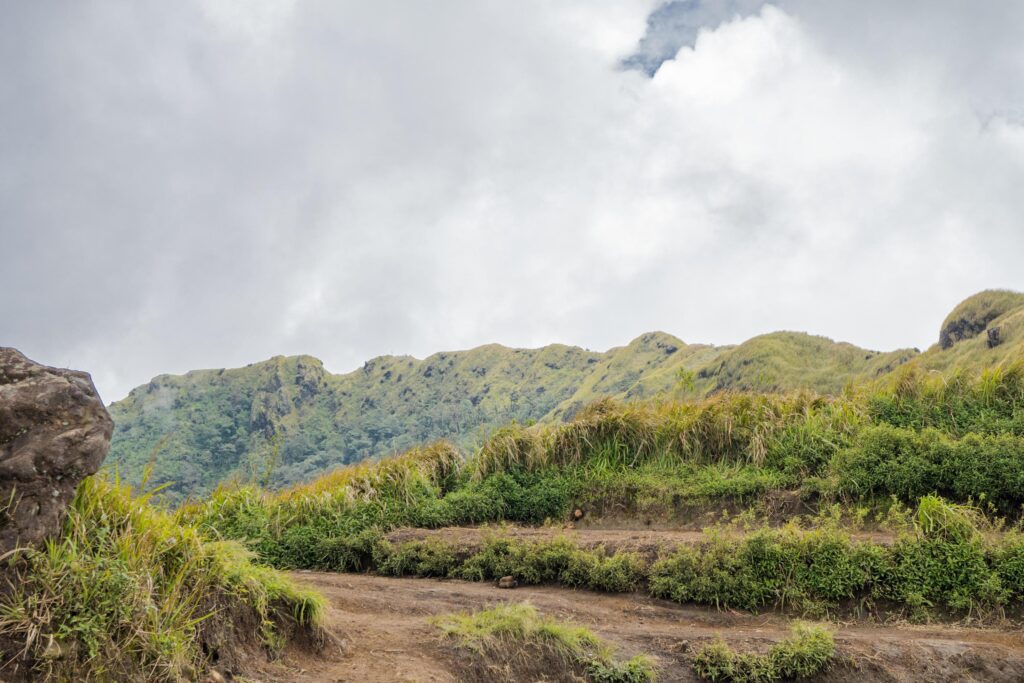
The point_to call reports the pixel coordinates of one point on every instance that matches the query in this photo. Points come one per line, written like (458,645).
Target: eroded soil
(383,633)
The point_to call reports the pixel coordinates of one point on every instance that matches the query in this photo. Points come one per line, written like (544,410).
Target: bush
(807,652)
(893,460)
(944,567)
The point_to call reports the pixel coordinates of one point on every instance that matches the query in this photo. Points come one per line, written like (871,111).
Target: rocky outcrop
(994,337)
(54,432)
(974,315)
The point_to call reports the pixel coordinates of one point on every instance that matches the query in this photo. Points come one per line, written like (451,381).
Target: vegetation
(807,652)
(558,561)
(134,590)
(128,592)
(945,567)
(944,563)
(287,420)
(496,632)
(974,315)
(916,436)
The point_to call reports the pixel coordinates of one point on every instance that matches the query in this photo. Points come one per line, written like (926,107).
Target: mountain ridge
(287,418)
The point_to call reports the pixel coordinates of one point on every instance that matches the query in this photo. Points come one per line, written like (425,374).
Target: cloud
(197,185)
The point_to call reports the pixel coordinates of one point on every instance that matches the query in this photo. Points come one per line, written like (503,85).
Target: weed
(808,651)
(510,625)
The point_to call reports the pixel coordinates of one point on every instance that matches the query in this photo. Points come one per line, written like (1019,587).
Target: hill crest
(290,417)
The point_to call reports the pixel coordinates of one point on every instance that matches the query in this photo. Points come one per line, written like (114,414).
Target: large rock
(54,432)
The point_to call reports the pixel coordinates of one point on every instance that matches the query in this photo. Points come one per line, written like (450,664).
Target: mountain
(287,419)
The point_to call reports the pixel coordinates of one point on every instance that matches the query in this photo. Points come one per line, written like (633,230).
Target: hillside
(287,419)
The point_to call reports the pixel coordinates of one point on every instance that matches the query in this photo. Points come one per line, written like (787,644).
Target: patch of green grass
(947,566)
(128,592)
(529,562)
(807,652)
(510,625)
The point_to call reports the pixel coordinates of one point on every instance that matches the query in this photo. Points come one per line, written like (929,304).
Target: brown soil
(383,634)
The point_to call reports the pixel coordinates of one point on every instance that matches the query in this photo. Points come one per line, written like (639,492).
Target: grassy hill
(287,419)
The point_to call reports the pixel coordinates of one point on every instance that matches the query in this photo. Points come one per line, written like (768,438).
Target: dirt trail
(384,634)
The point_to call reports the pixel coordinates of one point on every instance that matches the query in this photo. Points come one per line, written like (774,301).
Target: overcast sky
(204,184)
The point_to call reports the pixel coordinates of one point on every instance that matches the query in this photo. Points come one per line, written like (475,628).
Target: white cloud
(220,183)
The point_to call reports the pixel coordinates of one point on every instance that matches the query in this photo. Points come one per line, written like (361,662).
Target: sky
(207,184)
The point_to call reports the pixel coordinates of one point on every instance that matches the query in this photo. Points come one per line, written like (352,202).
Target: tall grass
(732,428)
(962,438)
(128,592)
(991,402)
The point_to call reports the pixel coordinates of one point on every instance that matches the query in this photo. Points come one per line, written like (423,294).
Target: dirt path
(385,635)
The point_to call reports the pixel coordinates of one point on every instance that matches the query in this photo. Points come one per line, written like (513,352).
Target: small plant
(807,652)
(499,629)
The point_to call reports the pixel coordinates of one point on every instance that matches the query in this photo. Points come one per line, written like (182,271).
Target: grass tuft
(128,592)
(807,652)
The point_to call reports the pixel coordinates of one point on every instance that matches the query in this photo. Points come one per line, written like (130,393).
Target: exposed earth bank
(383,631)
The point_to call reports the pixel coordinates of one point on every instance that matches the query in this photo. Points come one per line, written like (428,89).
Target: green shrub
(989,403)
(943,568)
(893,460)
(807,652)
(416,558)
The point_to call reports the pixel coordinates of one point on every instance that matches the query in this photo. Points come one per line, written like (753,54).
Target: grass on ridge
(498,631)
(128,592)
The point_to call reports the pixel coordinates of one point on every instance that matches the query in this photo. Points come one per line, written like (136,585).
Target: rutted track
(383,633)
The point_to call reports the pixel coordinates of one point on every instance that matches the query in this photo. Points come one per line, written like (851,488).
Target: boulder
(54,432)
(994,337)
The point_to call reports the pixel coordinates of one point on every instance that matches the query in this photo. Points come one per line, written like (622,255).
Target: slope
(287,419)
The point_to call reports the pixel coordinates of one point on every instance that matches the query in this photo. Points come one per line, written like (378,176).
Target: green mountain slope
(288,419)
(984,331)
(786,360)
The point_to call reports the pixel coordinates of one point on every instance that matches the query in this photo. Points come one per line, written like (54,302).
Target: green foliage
(948,566)
(958,404)
(656,460)
(287,420)
(767,569)
(807,652)
(127,592)
(911,464)
(509,625)
(557,561)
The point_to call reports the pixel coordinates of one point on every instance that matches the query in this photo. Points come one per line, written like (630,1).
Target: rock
(994,338)
(54,432)
(507,582)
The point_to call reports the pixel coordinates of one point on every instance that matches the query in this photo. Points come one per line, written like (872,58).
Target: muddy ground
(382,633)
